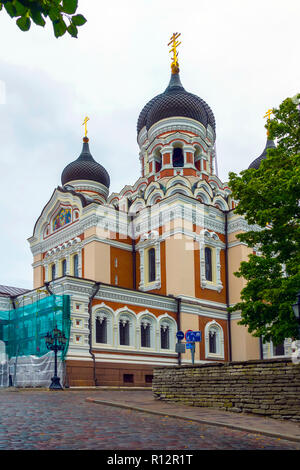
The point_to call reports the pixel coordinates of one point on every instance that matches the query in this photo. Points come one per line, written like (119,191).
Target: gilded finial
(175,44)
(86,119)
(268,116)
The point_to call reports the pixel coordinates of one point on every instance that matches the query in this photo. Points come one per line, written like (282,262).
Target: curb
(103,387)
(198,420)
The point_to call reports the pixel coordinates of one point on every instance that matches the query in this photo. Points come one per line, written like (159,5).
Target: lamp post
(55,341)
(296,308)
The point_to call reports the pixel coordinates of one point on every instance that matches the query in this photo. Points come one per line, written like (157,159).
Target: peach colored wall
(38,277)
(180,266)
(38,272)
(244,346)
(90,232)
(236,254)
(97,262)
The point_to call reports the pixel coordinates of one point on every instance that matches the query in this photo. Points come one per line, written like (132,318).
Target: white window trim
(166,319)
(214,325)
(211,240)
(268,349)
(153,328)
(143,248)
(104,313)
(131,317)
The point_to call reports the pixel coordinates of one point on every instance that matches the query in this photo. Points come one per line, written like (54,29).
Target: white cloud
(240,57)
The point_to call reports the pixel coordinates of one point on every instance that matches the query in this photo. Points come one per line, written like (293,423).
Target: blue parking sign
(193,336)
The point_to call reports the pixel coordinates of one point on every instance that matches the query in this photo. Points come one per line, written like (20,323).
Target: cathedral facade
(155,258)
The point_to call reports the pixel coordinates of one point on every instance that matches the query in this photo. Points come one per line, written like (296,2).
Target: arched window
(165,336)
(178,159)
(101,330)
(75,265)
(64,267)
(157,161)
(278,350)
(208,264)
(151,265)
(53,272)
(214,340)
(124,332)
(145,334)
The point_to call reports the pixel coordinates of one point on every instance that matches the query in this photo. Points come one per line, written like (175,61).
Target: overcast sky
(241,57)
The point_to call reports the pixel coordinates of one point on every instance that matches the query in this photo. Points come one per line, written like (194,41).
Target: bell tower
(176,131)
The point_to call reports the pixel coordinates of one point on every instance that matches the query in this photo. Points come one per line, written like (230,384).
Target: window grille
(165,337)
(64,267)
(101,330)
(124,332)
(278,350)
(212,341)
(75,265)
(145,335)
(208,264)
(53,272)
(151,263)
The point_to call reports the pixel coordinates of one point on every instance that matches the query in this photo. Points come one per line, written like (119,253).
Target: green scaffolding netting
(24,329)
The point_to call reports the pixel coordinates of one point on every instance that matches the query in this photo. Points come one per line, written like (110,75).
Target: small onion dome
(269,145)
(175,101)
(85,168)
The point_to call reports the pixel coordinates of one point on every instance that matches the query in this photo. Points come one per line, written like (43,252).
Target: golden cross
(268,115)
(175,44)
(86,119)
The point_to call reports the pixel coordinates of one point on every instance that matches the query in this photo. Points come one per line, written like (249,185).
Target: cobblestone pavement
(44,420)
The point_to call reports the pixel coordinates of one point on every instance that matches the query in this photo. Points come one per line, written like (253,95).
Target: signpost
(191,338)
(180,347)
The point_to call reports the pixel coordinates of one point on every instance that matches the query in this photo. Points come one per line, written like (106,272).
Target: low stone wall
(269,387)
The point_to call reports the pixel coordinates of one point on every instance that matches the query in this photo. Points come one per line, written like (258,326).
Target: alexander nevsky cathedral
(135,267)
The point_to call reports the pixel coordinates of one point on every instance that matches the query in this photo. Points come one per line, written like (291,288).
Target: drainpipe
(133,254)
(94,293)
(179,323)
(227,287)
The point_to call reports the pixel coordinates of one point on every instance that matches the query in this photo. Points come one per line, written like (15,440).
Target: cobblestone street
(43,420)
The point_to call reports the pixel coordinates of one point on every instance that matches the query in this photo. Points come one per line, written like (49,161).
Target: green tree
(269,197)
(39,11)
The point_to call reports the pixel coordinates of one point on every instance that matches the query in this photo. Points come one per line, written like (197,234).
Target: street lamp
(296,309)
(55,341)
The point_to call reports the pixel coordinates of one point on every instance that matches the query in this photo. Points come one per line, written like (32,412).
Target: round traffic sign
(180,334)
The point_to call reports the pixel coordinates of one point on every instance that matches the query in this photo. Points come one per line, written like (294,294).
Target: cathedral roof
(256,163)
(85,168)
(8,290)
(175,101)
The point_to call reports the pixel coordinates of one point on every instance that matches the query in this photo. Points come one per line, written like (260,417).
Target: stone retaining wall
(269,387)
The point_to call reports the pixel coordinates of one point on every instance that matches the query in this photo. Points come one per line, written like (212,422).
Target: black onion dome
(85,168)
(175,101)
(255,164)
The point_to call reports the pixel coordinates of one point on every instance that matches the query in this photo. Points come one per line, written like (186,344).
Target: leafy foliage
(38,11)
(269,197)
